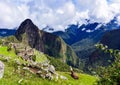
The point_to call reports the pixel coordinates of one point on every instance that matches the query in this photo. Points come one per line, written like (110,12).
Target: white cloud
(115,1)
(12,15)
(118,19)
(89,30)
(57,13)
(83,29)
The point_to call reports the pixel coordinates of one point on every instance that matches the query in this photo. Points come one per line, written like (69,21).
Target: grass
(40,56)
(13,78)
(84,79)
(21,77)
(3,51)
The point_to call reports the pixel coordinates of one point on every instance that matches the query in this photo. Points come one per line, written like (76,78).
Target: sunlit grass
(40,57)
(13,77)
(3,51)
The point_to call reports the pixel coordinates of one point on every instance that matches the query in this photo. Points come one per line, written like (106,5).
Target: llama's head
(71,69)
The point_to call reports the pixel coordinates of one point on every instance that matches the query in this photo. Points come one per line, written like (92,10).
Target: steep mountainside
(111,39)
(81,40)
(83,37)
(45,42)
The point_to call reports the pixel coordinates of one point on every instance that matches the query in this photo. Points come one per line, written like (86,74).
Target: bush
(9,48)
(33,57)
(110,75)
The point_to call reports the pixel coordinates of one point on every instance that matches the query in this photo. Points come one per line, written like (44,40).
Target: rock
(7,59)
(1,69)
(45,64)
(63,77)
(51,68)
(43,76)
(39,72)
(45,69)
(26,68)
(49,76)
(17,62)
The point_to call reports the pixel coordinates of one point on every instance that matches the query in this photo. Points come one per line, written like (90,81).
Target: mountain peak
(27,26)
(27,21)
(29,34)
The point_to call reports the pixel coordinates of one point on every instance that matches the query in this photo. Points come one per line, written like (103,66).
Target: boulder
(51,68)
(17,62)
(26,68)
(63,77)
(49,76)
(1,69)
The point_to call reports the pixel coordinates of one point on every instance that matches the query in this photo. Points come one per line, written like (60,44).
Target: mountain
(99,58)
(75,33)
(48,29)
(25,65)
(45,42)
(83,37)
(7,32)
(111,39)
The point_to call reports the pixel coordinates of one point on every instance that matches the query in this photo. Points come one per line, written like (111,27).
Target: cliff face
(47,43)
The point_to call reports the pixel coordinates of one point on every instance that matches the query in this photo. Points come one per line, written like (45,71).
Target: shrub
(9,48)
(110,75)
(33,57)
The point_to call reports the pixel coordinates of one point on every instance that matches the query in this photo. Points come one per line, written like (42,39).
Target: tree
(110,75)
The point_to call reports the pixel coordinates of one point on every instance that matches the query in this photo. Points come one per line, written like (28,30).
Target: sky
(57,13)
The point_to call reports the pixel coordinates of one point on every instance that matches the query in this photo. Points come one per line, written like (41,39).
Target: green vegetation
(84,79)
(40,57)
(110,75)
(59,66)
(3,51)
(12,76)
(11,39)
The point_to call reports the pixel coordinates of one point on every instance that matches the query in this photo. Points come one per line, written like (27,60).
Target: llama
(73,74)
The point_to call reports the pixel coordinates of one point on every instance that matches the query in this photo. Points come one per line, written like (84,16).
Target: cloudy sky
(57,13)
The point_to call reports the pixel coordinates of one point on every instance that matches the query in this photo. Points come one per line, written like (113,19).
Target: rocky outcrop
(47,43)
(1,69)
(41,70)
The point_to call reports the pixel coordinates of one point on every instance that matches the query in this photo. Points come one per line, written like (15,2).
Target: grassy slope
(13,78)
